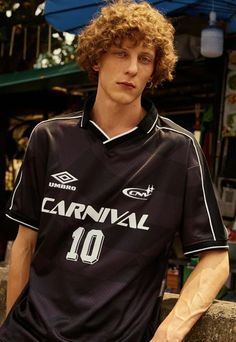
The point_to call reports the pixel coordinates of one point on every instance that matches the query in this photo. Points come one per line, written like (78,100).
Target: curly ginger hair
(138,22)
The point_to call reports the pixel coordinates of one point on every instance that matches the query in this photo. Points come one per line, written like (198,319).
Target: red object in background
(232,234)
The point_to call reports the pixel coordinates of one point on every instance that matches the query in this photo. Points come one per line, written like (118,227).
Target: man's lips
(127,84)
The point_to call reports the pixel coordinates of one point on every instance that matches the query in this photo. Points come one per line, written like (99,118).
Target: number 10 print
(91,247)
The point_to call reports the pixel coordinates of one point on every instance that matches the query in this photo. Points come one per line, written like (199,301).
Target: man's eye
(145,59)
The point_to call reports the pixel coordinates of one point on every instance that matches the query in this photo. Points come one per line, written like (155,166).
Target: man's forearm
(21,256)
(199,291)
(18,275)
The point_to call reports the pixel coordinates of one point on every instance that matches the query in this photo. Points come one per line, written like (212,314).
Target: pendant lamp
(212,39)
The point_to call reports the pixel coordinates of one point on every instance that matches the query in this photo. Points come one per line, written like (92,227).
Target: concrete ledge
(218,324)
(3,291)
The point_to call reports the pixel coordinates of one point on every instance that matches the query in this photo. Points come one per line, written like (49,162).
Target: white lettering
(81,212)
(132,223)
(59,209)
(142,221)
(76,209)
(45,200)
(104,215)
(62,186)
(114,215)
(90,211)
(138,193)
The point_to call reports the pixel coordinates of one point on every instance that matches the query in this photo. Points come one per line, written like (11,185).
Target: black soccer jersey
(107,211)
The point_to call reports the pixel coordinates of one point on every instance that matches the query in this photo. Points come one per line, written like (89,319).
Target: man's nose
(132,67)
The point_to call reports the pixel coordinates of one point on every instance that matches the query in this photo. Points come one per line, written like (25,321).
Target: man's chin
(126,99)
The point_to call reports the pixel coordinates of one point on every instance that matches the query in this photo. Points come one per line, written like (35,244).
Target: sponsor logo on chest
(139,193)
(103,215)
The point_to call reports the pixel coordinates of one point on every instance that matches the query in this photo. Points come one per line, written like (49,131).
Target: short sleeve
(25,202)
(202,225)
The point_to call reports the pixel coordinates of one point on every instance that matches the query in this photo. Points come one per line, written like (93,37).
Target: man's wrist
(162,335)
(170,330)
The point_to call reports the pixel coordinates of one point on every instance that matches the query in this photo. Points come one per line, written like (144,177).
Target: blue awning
(72,15)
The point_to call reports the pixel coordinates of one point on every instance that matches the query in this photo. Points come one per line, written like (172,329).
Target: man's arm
(200,289)
(21,256)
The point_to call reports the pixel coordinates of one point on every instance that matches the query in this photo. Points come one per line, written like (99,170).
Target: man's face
(123,72)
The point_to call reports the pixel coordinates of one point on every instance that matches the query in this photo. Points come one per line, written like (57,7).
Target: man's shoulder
(58,122)
(170,126)
(62,119)
(56,126)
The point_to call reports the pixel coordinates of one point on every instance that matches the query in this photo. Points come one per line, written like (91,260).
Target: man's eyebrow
(147,53)
(119,47)
(144,52)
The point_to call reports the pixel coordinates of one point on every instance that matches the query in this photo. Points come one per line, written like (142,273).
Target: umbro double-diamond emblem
(64,178)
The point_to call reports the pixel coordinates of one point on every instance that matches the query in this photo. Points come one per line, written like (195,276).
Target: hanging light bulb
(212,39)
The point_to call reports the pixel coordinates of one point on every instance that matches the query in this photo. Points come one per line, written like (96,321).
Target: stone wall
(218,324)
(3,287)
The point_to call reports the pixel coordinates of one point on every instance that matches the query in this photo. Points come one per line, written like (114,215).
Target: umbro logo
(63,178)
(139,193)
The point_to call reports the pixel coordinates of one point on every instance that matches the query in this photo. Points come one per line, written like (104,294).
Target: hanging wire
(49,39)
(2,49)
(25,44)
(13,31)
(38,41)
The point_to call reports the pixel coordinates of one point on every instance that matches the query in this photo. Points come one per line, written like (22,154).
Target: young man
(100,197)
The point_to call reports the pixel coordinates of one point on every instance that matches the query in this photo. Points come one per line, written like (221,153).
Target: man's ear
(96,67)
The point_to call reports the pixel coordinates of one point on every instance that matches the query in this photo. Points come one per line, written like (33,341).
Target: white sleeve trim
(21,222)
(206,248)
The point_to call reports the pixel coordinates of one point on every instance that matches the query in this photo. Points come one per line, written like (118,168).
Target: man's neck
(115,119)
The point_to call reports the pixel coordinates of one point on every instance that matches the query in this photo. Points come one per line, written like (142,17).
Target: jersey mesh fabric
(107,211)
